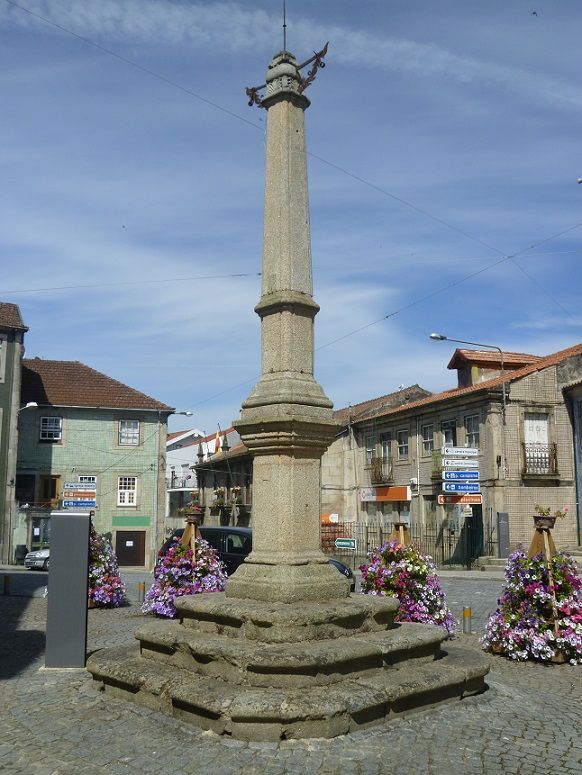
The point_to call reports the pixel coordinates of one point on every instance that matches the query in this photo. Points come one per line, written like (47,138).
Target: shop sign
(472,500)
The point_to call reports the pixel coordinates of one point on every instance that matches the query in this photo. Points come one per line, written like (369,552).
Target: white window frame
(128,432)
(51,429)
(402,440)
(427,438)
(127,491)
(451,426)
(386,444)
(472,436)
(88,478)
(369,446)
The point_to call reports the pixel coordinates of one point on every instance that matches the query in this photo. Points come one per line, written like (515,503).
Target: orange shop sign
(383,494)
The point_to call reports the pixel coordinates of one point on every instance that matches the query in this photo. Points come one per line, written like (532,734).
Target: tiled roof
(374,405)
(486,357)
(10,317)
(174,435)
(71,383)
(511,376)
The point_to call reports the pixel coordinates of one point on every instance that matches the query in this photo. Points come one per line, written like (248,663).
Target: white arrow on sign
(463,451)
(460,463)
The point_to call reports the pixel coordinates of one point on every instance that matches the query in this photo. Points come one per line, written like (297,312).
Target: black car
(233,544)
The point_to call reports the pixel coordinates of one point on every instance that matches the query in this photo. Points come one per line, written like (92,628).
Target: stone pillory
(286,652)
(287,421)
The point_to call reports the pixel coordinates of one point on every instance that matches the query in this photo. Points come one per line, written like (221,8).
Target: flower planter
(544,522)
(559,658)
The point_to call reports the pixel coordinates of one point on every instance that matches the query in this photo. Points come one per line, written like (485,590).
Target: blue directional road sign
(457,476)
(461,487)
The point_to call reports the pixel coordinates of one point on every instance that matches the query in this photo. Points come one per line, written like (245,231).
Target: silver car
(37,559)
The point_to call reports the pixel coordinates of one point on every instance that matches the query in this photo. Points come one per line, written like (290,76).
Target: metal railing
(180,482)
(444,546)
(539,459)
(381,469)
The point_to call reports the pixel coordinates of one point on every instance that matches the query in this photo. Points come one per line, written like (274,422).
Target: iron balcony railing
(180,482)
(381,469)
(539,459)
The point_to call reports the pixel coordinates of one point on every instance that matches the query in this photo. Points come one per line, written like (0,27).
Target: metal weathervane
(316,60)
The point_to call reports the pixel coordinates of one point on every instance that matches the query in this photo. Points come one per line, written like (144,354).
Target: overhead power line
(333,165)
(133,282)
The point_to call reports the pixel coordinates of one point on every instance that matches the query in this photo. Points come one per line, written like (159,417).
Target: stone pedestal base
(286,582)
(271,671)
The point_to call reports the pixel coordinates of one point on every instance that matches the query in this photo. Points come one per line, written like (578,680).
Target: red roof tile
(511,376)
(399,397)
(10,317)
(71,383)
(487,357)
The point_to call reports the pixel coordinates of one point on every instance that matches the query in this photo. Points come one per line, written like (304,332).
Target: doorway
(49,491)
(130,547)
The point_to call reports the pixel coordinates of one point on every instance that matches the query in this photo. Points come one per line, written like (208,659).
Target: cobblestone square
(56,723)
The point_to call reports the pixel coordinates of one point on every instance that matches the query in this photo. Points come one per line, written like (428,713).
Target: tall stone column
(287,421)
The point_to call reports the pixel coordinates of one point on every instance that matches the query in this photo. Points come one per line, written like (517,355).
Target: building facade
(181,485)
(90,433)
(12,331)
(387,465)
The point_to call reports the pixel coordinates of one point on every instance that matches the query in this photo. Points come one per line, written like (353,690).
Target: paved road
(54,722)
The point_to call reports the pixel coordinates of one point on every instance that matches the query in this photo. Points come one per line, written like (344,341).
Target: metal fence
(446,547)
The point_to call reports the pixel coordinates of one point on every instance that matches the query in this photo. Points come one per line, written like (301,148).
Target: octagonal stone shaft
(287,421)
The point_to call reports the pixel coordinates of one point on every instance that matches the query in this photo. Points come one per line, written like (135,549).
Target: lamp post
(443,338)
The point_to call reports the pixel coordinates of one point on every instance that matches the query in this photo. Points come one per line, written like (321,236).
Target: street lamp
(187,413)
(443,338)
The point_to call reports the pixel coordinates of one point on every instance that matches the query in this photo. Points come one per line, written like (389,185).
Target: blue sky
(444,137)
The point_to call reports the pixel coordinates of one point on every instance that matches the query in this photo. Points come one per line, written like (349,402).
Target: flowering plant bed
(405,573)
(106,589)
(536,619)
(181,572)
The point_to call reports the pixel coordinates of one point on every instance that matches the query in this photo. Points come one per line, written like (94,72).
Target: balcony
(181,482)
(539,461)
(380,469)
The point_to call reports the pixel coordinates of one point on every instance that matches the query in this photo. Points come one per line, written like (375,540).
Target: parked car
(233,544)
(37,559)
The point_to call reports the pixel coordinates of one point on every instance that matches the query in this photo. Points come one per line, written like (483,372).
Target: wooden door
(49,491)
(130,547)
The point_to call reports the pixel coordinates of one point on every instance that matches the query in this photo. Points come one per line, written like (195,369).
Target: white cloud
(215,26)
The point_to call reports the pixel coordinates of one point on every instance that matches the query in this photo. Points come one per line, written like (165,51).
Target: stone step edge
(282,623)
(321,661)
(253,713)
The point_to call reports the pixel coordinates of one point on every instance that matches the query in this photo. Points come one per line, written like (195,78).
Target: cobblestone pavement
(53,722)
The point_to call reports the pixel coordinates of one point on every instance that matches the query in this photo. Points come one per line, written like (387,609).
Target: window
(128,432)
(402,442)
(370,445)
(51,429)
(449,431)
(386,444)
(472,429)
(427,434)
(127,490)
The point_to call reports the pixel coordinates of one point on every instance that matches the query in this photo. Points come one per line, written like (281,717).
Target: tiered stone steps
(273,671)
